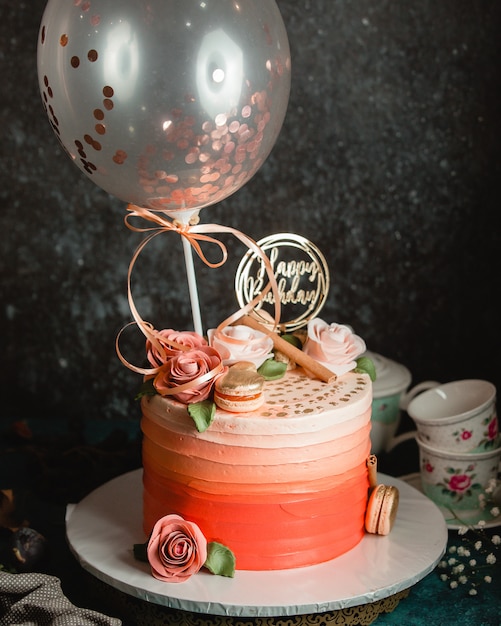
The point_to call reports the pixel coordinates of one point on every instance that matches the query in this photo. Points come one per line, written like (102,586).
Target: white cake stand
(105,525)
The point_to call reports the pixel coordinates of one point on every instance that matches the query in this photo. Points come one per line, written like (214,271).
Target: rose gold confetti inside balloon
(171,105)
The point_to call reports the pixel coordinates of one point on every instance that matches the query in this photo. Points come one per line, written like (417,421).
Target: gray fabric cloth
(38,600)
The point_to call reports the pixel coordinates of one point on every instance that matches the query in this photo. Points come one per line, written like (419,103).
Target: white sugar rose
(241,343)
(333,345)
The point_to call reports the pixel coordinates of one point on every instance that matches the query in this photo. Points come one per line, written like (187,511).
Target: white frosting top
(294,404)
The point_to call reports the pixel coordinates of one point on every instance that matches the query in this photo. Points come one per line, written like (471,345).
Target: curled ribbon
(194,234)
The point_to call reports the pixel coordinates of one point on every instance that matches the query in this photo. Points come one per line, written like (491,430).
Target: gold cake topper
(302,277)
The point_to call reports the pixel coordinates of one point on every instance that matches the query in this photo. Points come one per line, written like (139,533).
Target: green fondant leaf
(140,552)
(272,370)
(146,389)
(366,366)
(295,341)
(220,560)
(202,414)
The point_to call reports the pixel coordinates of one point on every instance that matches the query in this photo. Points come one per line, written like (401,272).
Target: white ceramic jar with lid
(390,397)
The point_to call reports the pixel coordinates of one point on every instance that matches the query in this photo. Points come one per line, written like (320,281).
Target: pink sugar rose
(334,345)
(459,483)
(176,550)
(241,343)
(166,338)
(194,372)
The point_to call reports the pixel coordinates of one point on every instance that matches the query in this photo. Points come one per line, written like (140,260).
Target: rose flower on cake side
(177,549)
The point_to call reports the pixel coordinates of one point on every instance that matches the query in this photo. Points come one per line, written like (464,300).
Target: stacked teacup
(459,446)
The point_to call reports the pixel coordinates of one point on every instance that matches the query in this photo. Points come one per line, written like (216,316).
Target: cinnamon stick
(315,368)
(372,467)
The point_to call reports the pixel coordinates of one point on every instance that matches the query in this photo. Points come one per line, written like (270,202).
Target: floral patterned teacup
(456,481)
(459,416)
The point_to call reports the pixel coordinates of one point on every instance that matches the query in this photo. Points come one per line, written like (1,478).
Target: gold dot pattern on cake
(290,397)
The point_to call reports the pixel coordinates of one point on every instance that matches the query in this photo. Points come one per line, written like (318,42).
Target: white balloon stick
(192,285)
(185,218)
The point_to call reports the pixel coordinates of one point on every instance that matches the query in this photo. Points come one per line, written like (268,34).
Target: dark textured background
(388,160)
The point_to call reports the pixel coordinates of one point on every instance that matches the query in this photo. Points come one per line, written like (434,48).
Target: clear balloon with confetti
(168,105)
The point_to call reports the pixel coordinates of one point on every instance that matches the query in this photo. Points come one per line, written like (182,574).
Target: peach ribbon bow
(194,234)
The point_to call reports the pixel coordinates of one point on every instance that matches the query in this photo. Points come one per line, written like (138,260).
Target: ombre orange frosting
(283,487)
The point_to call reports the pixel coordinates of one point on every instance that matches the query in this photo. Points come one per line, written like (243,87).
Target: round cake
(284,486)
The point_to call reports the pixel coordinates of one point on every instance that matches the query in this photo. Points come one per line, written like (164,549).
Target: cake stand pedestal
(373,576)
